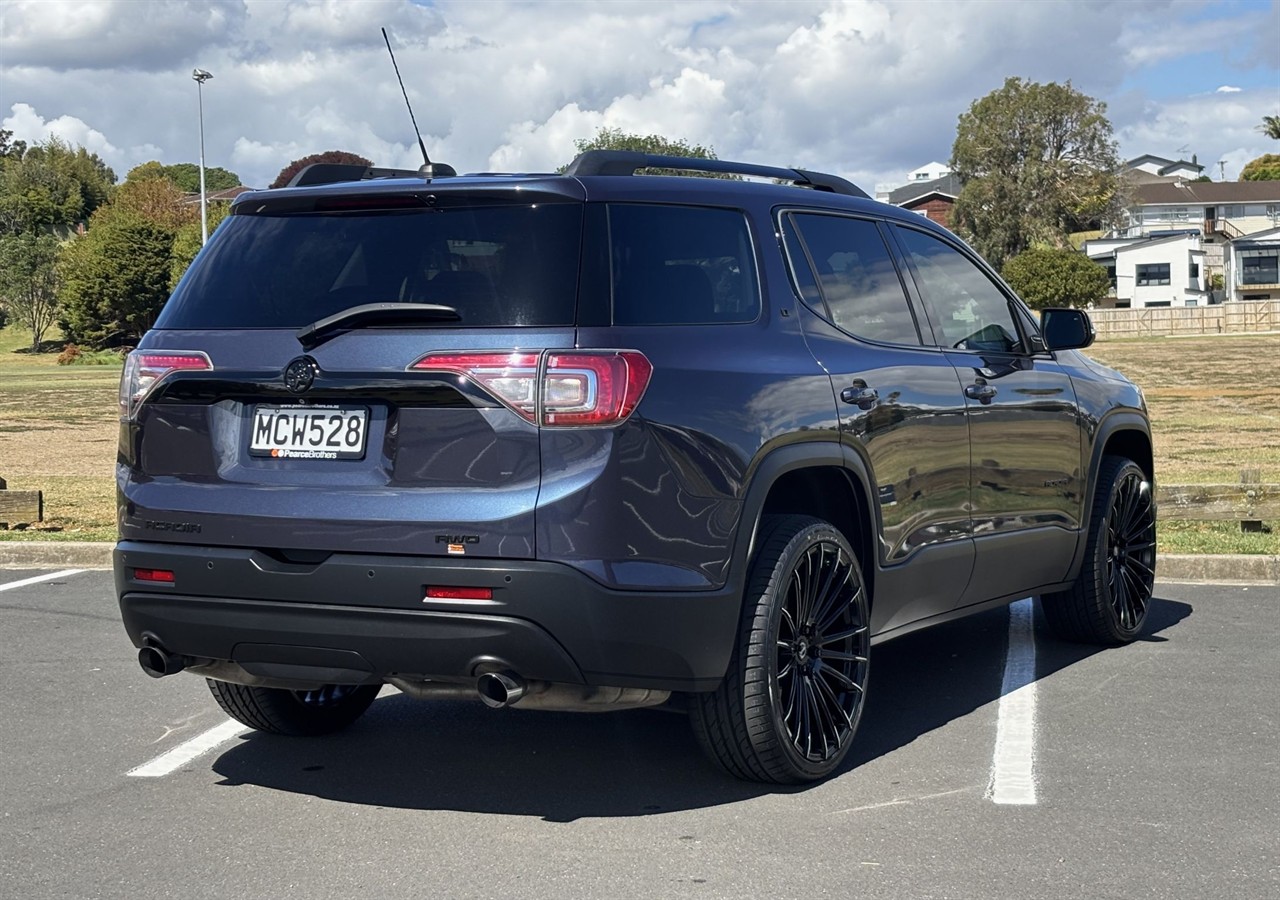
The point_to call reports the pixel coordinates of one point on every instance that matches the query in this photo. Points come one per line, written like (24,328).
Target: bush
(72,355)
(69,355)
(1044,277)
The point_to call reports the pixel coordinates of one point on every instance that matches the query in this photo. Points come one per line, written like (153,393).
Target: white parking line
(1013,777)
(185,752)
(36,579)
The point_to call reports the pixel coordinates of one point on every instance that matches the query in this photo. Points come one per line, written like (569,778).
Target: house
(1154,271)
(1164,169)
(1219,210)
(928,172)
(1251,266)
(932,199)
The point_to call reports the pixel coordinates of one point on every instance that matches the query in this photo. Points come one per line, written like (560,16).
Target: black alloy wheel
(788,708)
(1111,597)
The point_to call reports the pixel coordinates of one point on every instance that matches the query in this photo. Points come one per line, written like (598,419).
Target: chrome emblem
(300,374)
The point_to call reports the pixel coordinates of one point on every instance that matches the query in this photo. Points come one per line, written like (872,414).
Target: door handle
(860,395)
(980,391)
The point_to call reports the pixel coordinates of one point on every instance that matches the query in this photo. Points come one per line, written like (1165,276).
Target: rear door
(407,430)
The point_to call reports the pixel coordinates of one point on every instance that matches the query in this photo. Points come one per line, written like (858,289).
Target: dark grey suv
(602,440)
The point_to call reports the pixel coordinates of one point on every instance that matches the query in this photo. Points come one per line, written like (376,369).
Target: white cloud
(1228,89)
(868,89)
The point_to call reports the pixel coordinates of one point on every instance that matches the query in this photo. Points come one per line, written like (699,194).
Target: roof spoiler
(332,173)
(626,162)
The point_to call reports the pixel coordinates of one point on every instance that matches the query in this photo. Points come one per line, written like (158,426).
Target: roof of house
(1166,193)
(225,195)
(946,186)
(1166,165)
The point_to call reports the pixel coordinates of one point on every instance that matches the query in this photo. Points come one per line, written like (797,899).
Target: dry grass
(1215,409)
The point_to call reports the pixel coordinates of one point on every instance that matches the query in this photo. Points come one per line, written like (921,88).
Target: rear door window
(681,265)
(496,265)
(858,279)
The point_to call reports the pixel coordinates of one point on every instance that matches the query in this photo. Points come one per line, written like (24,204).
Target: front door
(1028,482)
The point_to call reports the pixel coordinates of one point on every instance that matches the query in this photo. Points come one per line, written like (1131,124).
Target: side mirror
(1066,329)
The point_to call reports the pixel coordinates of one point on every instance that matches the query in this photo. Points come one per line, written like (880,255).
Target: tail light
(566,389)
(143,370)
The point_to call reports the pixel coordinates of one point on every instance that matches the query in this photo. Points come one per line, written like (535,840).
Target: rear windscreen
(496,265)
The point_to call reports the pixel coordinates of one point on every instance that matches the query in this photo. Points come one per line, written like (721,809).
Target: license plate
(308,432)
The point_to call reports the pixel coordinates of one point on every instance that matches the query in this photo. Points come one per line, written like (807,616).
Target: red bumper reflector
(459,593)
(163,576)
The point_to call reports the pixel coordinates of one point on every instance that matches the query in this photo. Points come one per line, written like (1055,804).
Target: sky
(867,89)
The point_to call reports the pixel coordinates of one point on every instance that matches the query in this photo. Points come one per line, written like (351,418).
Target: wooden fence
(1251,503)
(20,507)
(1223,318)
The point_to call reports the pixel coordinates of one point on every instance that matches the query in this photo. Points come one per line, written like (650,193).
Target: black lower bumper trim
(546,621)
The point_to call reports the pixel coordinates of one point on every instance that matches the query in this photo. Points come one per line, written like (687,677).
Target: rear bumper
(546,621)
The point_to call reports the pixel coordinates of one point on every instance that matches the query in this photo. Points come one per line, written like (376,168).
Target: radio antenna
(421,146)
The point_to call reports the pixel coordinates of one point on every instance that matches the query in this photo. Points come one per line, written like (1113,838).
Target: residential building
(1154,271)
(1219,210)
(927,173)
(1168,169)
(1252,266)
(932,199)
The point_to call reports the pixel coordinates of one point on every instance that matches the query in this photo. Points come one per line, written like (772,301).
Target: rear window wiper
(315,334)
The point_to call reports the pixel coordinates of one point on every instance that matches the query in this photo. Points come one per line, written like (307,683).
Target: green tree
(186,242)
(28,281)
(1051,276)
(185,176)
(617,139)
(1264,168)
(1036,162)
(329,156)
(51,187)
(115,278)
(1270,127)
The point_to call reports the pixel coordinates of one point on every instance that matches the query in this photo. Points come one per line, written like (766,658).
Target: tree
(329,156)
(28,281)
(617,139)
(115,277)
(1264,168)
(51,187)
(158,200)
(185,176)
(1051,276)
(187,242)
(1036,162)
(1270,127)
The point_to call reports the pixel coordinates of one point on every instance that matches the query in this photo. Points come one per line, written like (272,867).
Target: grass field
(1215,409)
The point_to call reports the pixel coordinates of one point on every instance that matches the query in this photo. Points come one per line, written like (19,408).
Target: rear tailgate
(255,438)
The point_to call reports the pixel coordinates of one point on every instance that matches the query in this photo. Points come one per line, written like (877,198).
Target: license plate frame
(309,432)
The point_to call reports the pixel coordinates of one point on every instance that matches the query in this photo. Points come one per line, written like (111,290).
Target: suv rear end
(386,432)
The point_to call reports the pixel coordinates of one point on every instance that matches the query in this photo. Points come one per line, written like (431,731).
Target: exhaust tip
(157,663)
(500,689)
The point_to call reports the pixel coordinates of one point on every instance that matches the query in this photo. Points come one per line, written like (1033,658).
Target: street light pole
(201,76)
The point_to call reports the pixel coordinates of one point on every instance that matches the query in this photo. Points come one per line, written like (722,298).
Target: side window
(681,265)
(968,310)
(858,279)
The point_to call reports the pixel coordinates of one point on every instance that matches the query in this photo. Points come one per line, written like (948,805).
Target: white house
(1218,210)
(933,171)
(1251,266)
(1153,271)
(1166,168)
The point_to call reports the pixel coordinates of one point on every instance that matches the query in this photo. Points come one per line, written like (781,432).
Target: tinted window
(859,280)
(497,265)
(681,265)
(968,311)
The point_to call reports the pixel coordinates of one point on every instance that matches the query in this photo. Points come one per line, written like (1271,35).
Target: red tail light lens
(161,576)
(435,592)
(143,369)
(578,388)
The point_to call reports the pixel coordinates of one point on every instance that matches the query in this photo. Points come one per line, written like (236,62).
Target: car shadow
(461,756)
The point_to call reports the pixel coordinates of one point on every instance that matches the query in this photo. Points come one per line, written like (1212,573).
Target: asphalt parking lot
(1150,771)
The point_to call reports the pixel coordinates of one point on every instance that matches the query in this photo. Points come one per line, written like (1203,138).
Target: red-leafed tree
(329,156)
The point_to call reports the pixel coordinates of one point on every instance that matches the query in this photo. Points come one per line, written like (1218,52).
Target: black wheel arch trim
(1113,423)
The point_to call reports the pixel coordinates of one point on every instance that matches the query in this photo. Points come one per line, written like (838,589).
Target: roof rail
(626,162)
(331,173)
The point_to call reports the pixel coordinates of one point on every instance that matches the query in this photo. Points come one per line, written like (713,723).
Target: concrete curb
(1206,569)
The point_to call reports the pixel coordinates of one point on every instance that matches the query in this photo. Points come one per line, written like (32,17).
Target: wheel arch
(1124,433)
(826,481)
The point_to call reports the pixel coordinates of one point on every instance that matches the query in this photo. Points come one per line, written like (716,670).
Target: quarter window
(859,282)
(968,310)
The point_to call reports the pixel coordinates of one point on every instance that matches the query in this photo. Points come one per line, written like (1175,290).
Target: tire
(1110,599)
(297,713)
(788,707)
